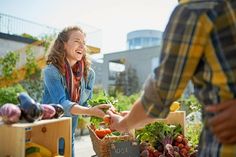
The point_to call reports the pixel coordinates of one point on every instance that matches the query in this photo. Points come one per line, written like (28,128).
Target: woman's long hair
(56,55)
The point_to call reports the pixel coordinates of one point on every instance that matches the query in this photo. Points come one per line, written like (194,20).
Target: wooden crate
(45,132)
(177,117)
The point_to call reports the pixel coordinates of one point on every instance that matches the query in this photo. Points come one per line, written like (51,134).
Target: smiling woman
(75,47)
(68,78)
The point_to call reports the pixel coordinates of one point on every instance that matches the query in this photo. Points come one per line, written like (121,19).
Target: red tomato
(107,130)
(102,132)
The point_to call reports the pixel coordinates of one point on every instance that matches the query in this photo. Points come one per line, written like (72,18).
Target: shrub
(9,94)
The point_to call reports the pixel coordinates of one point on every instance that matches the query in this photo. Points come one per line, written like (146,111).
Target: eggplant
(31,110)
(59,110)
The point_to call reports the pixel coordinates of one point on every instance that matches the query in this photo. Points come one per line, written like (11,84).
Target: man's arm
(136,118)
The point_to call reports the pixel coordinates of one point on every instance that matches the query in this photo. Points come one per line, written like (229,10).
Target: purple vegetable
(10,113)
(31,110)
(169,150)
(48,111)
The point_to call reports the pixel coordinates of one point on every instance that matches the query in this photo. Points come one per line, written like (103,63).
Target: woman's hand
(223,124)
(98,110)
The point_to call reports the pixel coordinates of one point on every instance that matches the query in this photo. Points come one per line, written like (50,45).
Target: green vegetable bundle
(100,99)
(159,132)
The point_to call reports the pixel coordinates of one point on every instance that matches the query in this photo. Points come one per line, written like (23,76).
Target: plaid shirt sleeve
(183,42)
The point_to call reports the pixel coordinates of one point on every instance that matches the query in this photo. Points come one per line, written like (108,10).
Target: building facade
(143,54)
(143,38)
(142,60)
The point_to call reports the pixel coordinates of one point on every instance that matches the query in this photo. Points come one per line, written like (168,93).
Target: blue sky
(106,21)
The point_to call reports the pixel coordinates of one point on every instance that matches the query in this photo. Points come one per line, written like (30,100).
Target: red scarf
(73,77)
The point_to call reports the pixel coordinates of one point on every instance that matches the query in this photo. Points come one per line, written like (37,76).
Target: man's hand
(223,124)
(117,122)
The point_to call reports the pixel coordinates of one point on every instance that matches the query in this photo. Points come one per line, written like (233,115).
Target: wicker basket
(102,147)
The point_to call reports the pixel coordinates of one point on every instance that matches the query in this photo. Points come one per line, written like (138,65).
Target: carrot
(107,119)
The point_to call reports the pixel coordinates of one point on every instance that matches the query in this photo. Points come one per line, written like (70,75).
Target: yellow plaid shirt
(199,44)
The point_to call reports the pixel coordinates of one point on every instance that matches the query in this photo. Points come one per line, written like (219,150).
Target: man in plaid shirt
(199,44)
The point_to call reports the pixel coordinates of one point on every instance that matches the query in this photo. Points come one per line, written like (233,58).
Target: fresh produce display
(10,113)
(163,140)
(31,111)
(48,111)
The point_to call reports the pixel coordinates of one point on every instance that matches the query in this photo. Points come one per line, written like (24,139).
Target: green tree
(31,64)
(8,64)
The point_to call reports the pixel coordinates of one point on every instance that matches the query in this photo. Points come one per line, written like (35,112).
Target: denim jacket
(55,91)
